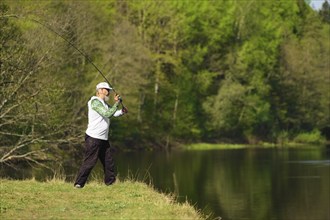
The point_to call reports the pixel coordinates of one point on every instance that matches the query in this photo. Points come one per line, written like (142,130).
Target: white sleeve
(118,113)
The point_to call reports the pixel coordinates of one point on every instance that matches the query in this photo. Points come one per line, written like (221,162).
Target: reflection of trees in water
(258,186)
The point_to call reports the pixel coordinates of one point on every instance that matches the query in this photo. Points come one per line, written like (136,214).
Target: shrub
(313,137)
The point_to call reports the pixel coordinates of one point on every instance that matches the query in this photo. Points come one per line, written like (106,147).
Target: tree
(45,80)
(187,70)
(305,78)
(24,122)
(325,12)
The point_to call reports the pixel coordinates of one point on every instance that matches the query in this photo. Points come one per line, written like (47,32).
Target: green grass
(57,199)
(313,137)
(207,146)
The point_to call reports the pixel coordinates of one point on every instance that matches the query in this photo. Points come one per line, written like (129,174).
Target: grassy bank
(30,199)
(284,139)
(208,146)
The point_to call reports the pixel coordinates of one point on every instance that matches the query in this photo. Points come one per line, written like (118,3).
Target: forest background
(188,71)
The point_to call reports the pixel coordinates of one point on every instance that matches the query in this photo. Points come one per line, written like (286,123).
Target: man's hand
(124,109)
(117,98)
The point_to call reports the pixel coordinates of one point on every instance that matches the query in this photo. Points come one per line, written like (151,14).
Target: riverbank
(222,146)
(56,199)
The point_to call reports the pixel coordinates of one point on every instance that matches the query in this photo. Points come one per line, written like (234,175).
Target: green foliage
(225,108)
(205,146)
(187,70)
(283,138)
(313,137)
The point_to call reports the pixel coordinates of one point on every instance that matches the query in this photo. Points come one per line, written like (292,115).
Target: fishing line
(71,44)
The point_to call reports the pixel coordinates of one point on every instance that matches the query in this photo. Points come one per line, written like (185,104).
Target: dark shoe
(78,186)
(113,181)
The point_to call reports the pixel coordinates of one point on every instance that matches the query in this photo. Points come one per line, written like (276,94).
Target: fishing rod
(72,45)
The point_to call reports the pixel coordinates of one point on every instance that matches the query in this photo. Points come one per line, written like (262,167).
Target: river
(249,184)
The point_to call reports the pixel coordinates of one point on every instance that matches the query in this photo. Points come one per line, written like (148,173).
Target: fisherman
(96,138)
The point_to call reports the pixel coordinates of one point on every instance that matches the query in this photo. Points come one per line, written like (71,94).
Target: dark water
(274,184)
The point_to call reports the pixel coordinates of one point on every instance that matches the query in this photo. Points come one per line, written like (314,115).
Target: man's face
(106,92)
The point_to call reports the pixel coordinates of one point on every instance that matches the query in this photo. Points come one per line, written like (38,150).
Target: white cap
(103,85)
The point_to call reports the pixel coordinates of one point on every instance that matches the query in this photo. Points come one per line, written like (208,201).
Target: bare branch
(8,122)
(14,134)
(22,81)
(26,140)
(9,109)
(38,163)
(21,155)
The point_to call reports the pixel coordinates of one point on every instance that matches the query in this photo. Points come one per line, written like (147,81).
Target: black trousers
(96,149)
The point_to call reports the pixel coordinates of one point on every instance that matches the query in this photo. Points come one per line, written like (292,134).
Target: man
(96,138)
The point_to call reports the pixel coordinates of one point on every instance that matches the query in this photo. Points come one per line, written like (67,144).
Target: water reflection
(234,184)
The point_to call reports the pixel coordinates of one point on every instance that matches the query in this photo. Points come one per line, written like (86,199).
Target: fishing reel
(124,109)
